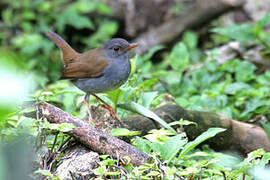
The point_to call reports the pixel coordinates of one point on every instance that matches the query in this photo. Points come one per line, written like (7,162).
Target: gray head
(118,48)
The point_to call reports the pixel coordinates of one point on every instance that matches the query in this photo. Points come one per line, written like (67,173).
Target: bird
(98,70)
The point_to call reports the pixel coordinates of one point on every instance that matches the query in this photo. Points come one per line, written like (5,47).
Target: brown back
(86,65)
(76,65)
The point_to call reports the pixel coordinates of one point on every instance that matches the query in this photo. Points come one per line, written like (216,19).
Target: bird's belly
(107,82)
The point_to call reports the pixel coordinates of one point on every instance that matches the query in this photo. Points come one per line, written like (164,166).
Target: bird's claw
(113,114)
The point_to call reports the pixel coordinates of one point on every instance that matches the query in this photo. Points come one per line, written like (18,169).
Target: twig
(72,176)
(44,163)
(118,159)
(123,170)
(80,174)
(68,146)
(54,160)
(224,175)
(36,140)
(54,142)
(190,177)
(159,164)
(179,177)
(63,143)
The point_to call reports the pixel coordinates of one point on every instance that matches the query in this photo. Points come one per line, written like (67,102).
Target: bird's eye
(116,49)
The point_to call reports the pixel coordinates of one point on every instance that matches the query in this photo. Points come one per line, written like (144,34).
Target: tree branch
(202,12)
(239,136)
(93,138)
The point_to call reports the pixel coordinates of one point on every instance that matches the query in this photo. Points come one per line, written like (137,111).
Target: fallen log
(239,136)
(93,138)
(203,11)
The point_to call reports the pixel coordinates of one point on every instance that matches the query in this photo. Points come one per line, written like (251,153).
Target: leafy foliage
(195,81)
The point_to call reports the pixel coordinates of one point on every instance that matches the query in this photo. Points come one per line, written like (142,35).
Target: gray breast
(115,74)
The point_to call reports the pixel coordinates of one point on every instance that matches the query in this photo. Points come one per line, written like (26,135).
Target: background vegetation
(30,66)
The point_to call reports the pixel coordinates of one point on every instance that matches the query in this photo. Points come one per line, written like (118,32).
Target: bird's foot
(93,122)
(99,124)
(107,106)
(112,112)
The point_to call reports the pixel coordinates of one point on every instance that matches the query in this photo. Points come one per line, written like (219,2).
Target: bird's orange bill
(133,45)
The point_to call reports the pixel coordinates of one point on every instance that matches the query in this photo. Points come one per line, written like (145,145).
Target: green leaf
(124,132)
(104,8)
(83,6)
(201,78)
(29,15)
(183,122)
(264,78)
(63,127)
(133,63)
(147,97)
(143,144)
(265,20)
(115,95)
(255,154)
(158,148)
(7,16)
(173,77)
(100,170)
(211,132)
(265,159)
(112,173)
(151,52)
(252,105)
(190,39)
(266,127)
(44,173)
(173,145)
(236,87)
(242,33)
(147,84)
(47,173)
(182,102)
(137,108)
(159,136)
(179,57)
(105,31)
(245,71)
(73,18)
(153,173)
(29,43)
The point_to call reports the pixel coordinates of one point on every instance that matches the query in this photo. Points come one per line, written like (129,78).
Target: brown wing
(89,64)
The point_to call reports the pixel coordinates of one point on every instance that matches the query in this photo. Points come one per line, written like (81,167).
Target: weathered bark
(202,12)
(93,138)
(140,15)
(239,136)
(78,161)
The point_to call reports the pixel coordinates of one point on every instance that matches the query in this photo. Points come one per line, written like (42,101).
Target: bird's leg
(107,106)
(86,100)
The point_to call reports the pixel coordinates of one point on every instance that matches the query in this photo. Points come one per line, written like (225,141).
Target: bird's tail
(67,52)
